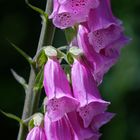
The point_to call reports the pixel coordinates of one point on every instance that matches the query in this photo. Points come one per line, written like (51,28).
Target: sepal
(39,80)
(40,59)
(36,120)
(74,52)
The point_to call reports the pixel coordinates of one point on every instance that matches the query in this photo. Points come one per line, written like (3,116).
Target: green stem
(32,99)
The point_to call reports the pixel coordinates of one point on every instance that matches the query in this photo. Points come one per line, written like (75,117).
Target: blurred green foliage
(121,85)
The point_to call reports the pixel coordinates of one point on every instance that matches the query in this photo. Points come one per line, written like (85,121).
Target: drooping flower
(59,130)
(58,91)
(37,133)
(100,62)
(101,38)
(69,127)
(67,13)
(100,120)
(106,30)
(80,131)
(85,90)
(102,17)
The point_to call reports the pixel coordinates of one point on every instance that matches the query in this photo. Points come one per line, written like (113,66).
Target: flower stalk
(32,97)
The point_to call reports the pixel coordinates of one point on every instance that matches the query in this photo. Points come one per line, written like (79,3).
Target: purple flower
(101,38)
(100,62)
(100,120)
(78,127)
(37,133)
(69,127)
(58,91)
(59,130)
(106,30)
(85,90)
(102,17)
(66,13)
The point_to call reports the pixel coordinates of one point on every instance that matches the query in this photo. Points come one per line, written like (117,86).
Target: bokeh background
(121,85)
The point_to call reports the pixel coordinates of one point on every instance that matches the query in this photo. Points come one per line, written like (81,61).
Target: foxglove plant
(85,90)
(57,88)
(67,13)
(73,107)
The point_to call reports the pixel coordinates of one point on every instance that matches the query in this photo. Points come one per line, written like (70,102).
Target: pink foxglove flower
(100,120)
(85,90)
(69,127)
(58,91)
(66,13)
(100,62)
(78,127)
(106,30)
(37,133)
(59,130)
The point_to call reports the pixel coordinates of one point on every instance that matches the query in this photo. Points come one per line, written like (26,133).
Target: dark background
(121,85)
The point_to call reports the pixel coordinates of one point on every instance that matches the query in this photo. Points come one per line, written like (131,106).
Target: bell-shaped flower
(58,91)
(104,29)
(67,13)
(100,120)
(59,130)
(102,17)
(85,90)
(78,127)
(69,127)
(37,133)
(102,61)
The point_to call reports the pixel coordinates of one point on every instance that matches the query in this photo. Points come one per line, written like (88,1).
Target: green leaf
(20,79)
(70,33)
(12,116)
(28,58)
(39,80)
(40,11)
